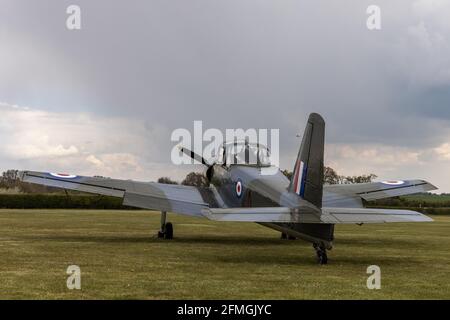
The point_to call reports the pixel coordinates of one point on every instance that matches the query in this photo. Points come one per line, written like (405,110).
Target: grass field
(120,257)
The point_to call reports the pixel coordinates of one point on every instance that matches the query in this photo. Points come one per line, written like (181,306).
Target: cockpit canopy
(244,153)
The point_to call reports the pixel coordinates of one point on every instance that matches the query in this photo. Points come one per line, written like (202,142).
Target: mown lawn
(121,258)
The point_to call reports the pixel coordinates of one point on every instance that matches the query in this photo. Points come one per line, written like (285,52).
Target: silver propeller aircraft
(301,208)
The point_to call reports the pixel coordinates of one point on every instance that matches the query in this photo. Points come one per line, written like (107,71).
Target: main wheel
(168,231)
(321,252)
(283,236)
(322,257)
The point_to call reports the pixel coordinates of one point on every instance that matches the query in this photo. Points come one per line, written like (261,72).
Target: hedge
(424,210)
(60,201)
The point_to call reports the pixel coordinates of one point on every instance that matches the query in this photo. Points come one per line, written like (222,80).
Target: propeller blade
(194,156)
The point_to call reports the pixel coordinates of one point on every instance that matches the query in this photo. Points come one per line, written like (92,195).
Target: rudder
(307,178)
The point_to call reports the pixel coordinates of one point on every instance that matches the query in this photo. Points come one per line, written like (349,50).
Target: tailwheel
(321,252)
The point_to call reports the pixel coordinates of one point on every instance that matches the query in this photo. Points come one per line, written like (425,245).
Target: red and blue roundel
(393,182)
(239,188)
(63,175)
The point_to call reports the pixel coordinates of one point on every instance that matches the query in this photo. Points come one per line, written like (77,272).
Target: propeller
(199,158)
(194,156)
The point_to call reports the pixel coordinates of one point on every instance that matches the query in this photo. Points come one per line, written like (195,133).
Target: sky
(105,99)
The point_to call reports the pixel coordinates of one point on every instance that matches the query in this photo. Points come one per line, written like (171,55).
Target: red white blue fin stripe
(299,178)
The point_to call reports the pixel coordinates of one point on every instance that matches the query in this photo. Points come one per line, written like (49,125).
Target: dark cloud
(263,64)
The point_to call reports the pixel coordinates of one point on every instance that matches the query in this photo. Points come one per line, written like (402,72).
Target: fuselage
(250,186)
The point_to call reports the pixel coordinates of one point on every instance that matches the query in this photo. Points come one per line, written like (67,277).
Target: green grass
(120,257)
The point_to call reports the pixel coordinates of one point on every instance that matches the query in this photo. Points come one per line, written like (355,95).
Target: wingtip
(21,175)
(429,185)
(432,186)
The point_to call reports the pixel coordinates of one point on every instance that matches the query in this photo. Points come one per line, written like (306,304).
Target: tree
(9,179)
(195,179)
(166,180)
(330,176)
(287,173)
(359,179)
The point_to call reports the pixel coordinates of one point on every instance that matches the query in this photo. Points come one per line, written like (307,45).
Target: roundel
(239,188)
(393,182)
(63,175)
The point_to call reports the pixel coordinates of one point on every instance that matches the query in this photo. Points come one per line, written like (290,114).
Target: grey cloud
(263,64)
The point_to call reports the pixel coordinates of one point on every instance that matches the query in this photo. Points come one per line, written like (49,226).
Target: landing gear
(166,230)
(321,252)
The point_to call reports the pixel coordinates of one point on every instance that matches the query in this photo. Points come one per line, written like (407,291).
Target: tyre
(322,257)
(168,231)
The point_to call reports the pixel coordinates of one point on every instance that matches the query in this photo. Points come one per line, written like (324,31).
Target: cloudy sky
(105,99)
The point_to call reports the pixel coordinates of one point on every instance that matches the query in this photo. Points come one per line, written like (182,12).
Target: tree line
(330,176)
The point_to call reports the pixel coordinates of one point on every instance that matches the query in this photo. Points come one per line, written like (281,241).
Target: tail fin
(307,178)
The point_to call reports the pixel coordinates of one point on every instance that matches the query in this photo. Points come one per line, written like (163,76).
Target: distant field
(120,258)
(9,191)
(432,198)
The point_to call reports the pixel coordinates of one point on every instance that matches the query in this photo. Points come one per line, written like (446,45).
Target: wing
(328,215)
(350,195)
(148,195)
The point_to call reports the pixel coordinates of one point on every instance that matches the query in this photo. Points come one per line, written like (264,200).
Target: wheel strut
(166,228)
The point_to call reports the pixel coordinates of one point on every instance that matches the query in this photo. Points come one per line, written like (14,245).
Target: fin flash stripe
(299,178)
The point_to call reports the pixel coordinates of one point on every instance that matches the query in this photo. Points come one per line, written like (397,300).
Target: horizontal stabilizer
(363,215)
(261,214)
(328,215)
